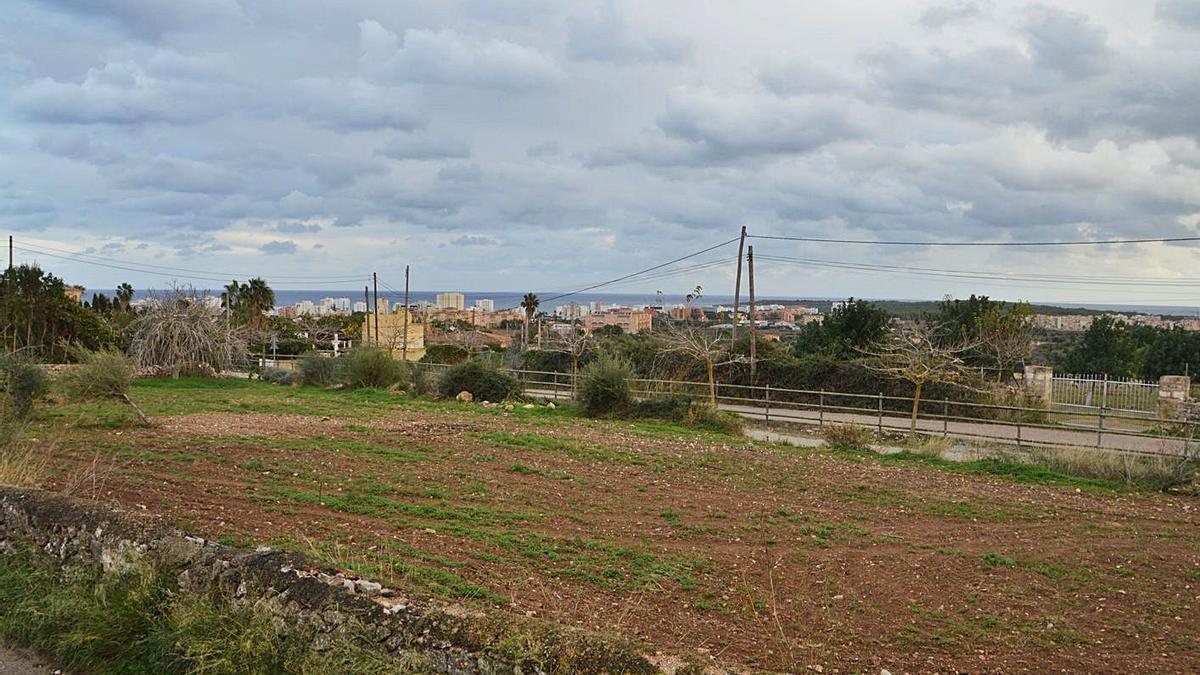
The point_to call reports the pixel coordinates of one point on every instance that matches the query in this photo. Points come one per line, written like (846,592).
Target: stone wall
(305,594)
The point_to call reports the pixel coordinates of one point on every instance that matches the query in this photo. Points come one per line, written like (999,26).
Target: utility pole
(375,279)
(367,317)
(737,285)
(404,336)
(753,323)
(10,258)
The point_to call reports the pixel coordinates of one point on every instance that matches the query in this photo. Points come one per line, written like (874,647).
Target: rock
(465,396)
(529,406)
(508,406)
(551,405)
(368,587)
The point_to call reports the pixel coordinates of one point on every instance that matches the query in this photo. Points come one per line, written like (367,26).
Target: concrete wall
(1174,391)
(1038,380)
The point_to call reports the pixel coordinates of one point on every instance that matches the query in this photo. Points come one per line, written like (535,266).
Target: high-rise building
(360,306)
(451,301)
(485,305)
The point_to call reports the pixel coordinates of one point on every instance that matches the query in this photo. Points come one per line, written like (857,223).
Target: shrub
(672,408)
(423,382)
(374,368)
(102,374)
(603,386)
(317,371)
(848,435)
(445,354)
(23,383)
(701,415)
(485,382)
(282,376)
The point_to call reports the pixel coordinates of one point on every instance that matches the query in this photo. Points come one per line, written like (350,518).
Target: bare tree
(706,345)
(180,331)
(914,354)
(575,342)
(1008,336)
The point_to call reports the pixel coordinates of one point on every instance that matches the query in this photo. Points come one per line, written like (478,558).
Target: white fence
(1104,392)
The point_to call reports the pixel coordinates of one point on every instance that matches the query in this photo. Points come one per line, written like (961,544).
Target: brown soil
(793,559)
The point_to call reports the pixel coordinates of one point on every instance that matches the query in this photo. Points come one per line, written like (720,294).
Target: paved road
(993,432)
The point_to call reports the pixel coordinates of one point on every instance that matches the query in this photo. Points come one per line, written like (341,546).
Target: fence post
(821,410)
(555,385)
(1100,428)
(945,419)
(1018,431)
(768,417)
(881,413)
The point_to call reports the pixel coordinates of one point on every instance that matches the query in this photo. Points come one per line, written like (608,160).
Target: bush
(672,408)
(603,386)
(423,382)
(848,435)
(485,383)
(282,376)
(701,415)
(445,354)
(102,374)
(23,383)
(317,371)
(373,368)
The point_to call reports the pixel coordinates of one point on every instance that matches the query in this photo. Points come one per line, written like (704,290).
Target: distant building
(687,313)
(360,306)
(628,319)
(485,305)
(391,333)
(451,301)
(572,311)
(75,293)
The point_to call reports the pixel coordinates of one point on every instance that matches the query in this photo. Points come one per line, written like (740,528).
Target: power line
(86,258)
(1082,242)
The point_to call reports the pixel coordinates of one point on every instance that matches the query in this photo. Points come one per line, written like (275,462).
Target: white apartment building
(485,305)
(451,301)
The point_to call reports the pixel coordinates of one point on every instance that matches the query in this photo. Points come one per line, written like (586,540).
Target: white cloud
(449,57)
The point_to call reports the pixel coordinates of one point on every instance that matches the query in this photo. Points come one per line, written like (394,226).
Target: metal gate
(1104,392)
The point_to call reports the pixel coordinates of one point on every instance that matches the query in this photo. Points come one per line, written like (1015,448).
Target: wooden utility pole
(737,285)
(753,323)
(404,336)
(375,279)
(10,258)
(367,317)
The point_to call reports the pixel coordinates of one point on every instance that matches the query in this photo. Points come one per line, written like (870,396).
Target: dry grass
(23,464)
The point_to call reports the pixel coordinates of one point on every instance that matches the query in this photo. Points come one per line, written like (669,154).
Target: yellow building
(391,333)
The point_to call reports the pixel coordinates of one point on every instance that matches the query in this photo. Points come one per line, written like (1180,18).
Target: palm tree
(260,298)
(530,305)
(124,296)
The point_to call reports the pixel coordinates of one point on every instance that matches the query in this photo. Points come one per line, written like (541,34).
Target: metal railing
(1021,426)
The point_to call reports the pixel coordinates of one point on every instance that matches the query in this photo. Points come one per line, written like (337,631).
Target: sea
(550,300)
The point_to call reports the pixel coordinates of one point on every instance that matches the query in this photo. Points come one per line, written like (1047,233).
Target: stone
(368,587)
(465,396)
(529,406)
(551,405)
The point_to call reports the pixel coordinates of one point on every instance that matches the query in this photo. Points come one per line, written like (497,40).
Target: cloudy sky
(546,145)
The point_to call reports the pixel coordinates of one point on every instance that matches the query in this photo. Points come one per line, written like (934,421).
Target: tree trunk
(912,427)
(712,385)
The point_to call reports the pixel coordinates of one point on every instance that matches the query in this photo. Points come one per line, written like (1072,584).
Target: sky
(547,146)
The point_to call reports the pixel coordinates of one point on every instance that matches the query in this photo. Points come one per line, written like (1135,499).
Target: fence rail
(1021,426)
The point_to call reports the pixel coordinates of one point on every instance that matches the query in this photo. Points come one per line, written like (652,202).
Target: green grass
(136,622)
(570,448)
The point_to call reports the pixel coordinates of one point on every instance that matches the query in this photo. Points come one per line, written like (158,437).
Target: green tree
(39,315)
(1173,352)
(848,328)
(1107,346)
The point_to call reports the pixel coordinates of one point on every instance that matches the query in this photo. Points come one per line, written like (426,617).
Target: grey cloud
(339,171)
(278,247)
(297,228)
(1185,13)
(118,93)
(474,240)
(173,174)
(547,149)
(608,37)
(448,57)
(424,146)
(460,173)
(801,76)
(939,16)
(81,147)
(355,104)
(151,18)
(1066,42)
